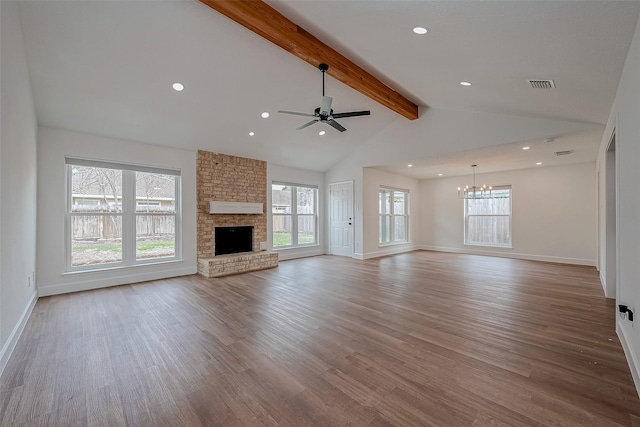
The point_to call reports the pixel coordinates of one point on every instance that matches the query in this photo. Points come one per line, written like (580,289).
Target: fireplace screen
(231,240)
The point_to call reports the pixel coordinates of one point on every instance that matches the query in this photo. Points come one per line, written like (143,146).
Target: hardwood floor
(417,339)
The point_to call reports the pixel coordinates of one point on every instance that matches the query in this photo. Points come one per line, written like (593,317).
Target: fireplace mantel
(216,207)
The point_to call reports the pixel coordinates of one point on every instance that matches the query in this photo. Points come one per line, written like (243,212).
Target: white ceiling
(497,158)
(107,67)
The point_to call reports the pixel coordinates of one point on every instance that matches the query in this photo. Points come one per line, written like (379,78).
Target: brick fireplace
(220,177)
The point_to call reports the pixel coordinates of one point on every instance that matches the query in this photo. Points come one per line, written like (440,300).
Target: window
(121,215)
(294,211)
(487,222)
(394,216)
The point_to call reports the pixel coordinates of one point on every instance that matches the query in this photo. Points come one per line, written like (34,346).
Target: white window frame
(392,215)
(128,214)
(294,215)
(509,215)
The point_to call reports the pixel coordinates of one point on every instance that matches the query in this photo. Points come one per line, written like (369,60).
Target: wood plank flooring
(417,339)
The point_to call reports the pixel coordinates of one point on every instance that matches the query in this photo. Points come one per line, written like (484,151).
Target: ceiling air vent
(542,84)
(564,153)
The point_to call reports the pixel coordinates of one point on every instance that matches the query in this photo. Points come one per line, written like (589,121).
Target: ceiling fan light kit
(324,113)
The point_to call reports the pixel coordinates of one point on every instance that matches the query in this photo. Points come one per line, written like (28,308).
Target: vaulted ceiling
(107,68)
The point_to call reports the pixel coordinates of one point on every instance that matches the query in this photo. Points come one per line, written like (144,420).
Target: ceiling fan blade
(307,124)
(336,125)
(351,114)
(325,107)
(296,113)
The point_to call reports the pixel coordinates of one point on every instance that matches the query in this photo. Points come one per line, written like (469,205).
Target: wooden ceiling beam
(270,24)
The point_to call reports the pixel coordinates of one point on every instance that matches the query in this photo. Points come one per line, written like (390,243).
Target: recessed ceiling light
(178,87)
(526,148)
(420,30)
(465,83)
(538,163)
(409,166)
(439,174)
(265,115)
(322,132)
(251,133)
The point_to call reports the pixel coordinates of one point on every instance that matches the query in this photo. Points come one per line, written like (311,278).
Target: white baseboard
(10,345)
(88,281)
(560,260)
(632,359)
(285,254)
(388,250)
(603,283)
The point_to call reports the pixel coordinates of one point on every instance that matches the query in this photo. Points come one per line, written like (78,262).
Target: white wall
(277,173)
(17,184)
(624,118)
(373,179)
(553,213)
(53,146)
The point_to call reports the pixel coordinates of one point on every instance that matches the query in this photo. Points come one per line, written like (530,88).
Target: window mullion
(294,216)
(67,223)
(315,217)
(178,217)
(390,230)
(129,217)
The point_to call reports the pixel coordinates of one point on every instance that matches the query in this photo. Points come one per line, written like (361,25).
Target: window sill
(121,267)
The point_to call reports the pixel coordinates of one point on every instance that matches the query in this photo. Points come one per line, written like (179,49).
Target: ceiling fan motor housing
(323,117)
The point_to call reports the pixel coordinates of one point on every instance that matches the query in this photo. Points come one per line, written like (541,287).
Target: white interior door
(341,237)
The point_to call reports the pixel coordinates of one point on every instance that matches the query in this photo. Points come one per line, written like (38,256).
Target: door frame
(330,216)
(611,216)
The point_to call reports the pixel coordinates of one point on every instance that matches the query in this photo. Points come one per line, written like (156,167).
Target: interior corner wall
(372,180)
(624,118)
(553,214)
(278,173)
(53,146)
(18,184)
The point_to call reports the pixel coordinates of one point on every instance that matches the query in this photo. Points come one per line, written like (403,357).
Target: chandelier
(476,192)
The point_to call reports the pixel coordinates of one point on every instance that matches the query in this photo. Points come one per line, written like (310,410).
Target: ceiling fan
(324,113)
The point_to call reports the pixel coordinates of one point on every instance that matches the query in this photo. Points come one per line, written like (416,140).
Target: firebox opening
(231,240)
